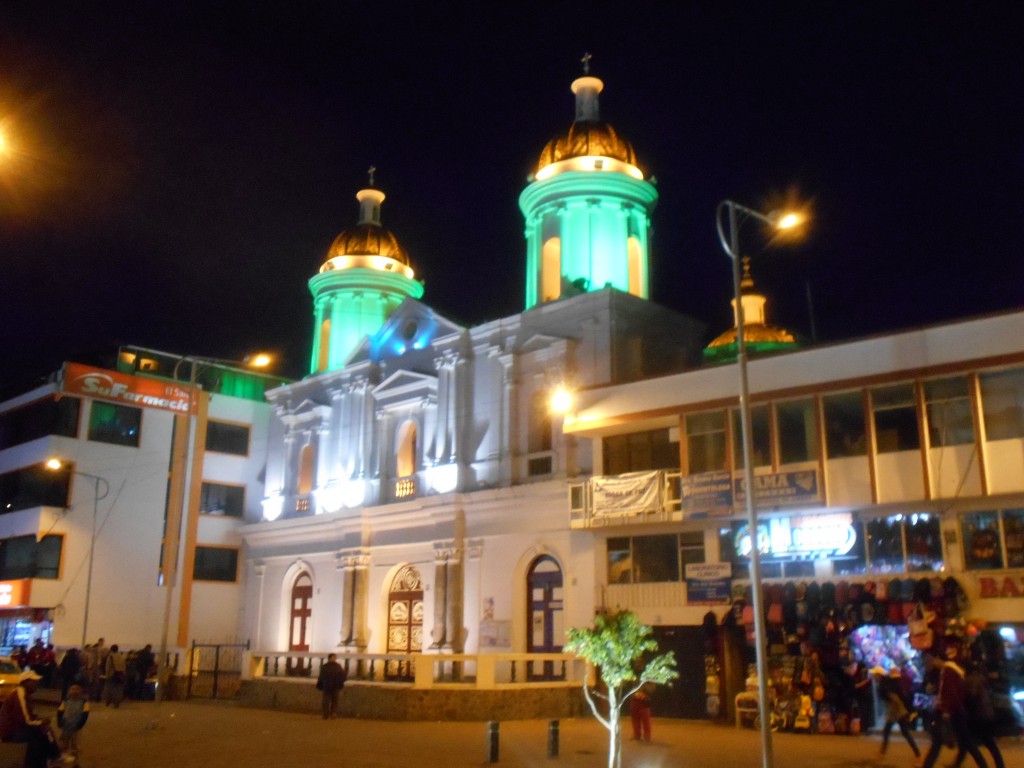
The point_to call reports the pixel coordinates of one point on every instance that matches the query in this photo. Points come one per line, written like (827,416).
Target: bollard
(552,738)
(492,741)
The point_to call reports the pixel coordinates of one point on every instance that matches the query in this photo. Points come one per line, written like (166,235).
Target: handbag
(921,635)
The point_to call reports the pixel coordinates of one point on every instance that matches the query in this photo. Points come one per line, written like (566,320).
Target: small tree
(615,645)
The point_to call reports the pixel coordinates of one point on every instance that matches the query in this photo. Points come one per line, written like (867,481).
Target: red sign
(122,388)
(14,593)
(1007,586)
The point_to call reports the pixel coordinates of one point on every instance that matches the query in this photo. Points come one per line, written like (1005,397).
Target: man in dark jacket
(330,682)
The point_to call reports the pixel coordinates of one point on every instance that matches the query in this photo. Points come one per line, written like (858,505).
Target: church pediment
(411,327)
(538,342)
(404,387)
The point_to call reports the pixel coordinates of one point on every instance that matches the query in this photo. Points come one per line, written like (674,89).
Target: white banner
(633,492)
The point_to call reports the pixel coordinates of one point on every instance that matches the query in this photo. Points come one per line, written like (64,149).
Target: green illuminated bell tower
(365,277)
(587,208)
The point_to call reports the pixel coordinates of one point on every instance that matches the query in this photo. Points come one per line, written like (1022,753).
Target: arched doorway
(405,620)
(544,620)
(298,624)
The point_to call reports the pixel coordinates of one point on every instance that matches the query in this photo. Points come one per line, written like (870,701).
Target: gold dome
(755,334)
(368,239)
(587,139)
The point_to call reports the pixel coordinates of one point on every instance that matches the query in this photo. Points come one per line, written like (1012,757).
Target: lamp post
(735,215)
(56,464)
(177,508)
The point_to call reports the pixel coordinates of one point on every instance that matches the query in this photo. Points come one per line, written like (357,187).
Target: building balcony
(636,497)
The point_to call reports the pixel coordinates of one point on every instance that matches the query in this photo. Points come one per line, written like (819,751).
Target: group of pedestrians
(106,674)
(19,723)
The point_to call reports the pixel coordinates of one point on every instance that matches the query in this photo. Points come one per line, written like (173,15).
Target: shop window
(1002,401)
(33,486)
(113,423)
(924,542)
(219,499)
(895,413)
(760,437)
(993,539)
(844,425)
(216,564)
(798,431)
(885,544)
(949,412)
(705,442)
(48,416)
(640,451)
(798,569)
(222,437)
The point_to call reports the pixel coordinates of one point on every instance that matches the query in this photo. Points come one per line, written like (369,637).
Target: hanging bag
(921,636)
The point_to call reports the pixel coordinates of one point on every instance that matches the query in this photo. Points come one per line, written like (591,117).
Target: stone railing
(489,671)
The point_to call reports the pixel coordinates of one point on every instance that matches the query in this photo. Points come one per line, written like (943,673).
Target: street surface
(203,734)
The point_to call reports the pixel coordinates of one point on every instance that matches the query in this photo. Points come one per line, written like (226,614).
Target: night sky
(178,173)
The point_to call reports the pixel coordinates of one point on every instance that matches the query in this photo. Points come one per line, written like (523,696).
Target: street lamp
(735,215)
(55,465)
(176,510)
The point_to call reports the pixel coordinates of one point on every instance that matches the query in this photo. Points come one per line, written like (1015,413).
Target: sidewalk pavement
(203,734)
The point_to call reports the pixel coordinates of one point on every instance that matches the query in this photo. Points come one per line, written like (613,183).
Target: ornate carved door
(405,620)
(298,629)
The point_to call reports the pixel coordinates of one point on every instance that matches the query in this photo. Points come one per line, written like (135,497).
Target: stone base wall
(380,702)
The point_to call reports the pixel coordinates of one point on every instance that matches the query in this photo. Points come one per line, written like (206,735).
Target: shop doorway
(683,697)
(545,624)
(298,627)
(405,621)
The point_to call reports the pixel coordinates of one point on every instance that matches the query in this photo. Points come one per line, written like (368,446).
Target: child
(71,717)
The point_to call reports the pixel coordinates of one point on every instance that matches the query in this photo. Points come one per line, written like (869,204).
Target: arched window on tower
(324,350)
(306,469)
(551,269)
(406,454)
(635,257)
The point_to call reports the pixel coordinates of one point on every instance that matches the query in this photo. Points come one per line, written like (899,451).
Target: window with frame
(216,564)
(909,542)
(649,559)
(1002,403)
(114,423)
(23,557)
(220,499)
(895,412)
(640,451)
(845,433)
(47,416)
(33,486)
(797,431)
(948,404)
(760,437)
(691,549)
(993,539)
(48,554)
(222,437)
(705,442)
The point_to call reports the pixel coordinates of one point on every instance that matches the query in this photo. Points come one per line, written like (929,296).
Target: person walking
(19,723)
(951,711)
(114,673)
(69,668)
(330,682)
(896,712)
(981,716)
(71,717)
(640,715)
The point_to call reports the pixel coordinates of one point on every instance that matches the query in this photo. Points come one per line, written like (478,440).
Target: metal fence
(215,671)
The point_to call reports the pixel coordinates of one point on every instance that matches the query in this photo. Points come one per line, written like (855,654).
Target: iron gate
(215,671)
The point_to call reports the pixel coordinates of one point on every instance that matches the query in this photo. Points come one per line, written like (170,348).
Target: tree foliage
(617,645)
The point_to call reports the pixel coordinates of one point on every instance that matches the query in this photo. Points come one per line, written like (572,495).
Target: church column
(439,631)
(453,613)
(347,589)
(509,434)
(360,595)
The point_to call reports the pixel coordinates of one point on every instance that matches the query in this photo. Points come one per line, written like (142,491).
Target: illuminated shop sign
(121,388)
(713,494)
(807,537)
(14,594)
(1005,586)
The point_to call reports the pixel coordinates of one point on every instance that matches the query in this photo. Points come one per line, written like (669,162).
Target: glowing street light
(55,465)
(561,400)
(735,215)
